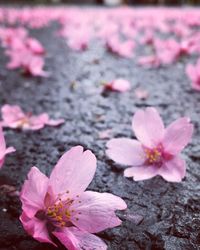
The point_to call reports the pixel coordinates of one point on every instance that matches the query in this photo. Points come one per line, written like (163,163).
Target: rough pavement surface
(169,212)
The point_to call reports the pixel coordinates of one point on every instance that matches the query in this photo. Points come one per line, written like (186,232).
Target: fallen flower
(35,46)
(157,150)
(3,150)
(123,49)
(120,85)
(193,72)
(60,206)
(14,117)
(149,61)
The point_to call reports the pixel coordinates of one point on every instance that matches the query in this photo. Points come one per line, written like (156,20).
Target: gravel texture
(168,212)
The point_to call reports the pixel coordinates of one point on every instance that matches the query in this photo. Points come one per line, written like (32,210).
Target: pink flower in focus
(157,151)
(3,150)
(193,72)
(60,206)
(120,85)
(14,117)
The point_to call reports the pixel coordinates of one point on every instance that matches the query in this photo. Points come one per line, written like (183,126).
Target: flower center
(155,155)
(60,212)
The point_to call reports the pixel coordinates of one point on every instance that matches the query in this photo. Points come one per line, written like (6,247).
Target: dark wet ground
(170,211)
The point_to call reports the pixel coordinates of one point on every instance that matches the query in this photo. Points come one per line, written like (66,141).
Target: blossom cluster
(164,37)
(25,52)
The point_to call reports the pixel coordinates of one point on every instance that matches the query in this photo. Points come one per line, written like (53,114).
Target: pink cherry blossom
(3,150)
(14,117)
(149,61)
(119,85)
(157,150)
(24,52)
(193,72)
(35,46)
(124,49)
(60,206)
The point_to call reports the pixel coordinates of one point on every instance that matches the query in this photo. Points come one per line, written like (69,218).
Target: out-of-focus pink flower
(167,51)
(157,151)
(78,43)
(149,61)
(3,150)
(24,52)
(147,38)
(35,46)
(33,65)
(30,63)
(14,117)
(193,72)
(120,85)
(60,206)
(121,48)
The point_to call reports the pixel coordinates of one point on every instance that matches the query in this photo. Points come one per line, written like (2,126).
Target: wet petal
(75,239)
(174,170)
(141,173)
(148,127)
(177,135)
(126,151)
(34,191)
(94,212)
(73,172)
(36,228)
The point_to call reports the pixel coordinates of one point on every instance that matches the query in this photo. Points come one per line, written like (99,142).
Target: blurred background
(107,2)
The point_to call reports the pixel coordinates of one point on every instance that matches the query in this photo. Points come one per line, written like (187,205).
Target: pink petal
(177,135)
(150,61)
(55,122)
(95,212)
(148,127)
(75,239)
(34,191)
(194,75)
(35,46)
(120,85)
(2,142)
(192,72)
(126,151)
(141,173)
(73,172)
(37,122)
(174,170)
(10,150)
(67,238)
(3,149)
(11,114)
(35,66)
(36,228)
